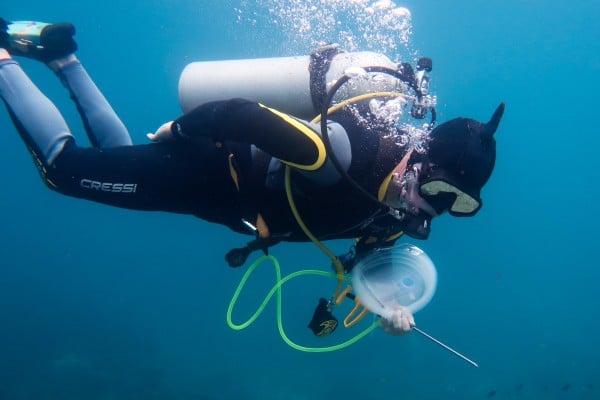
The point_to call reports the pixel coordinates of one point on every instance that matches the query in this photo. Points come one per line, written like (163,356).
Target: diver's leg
(53,44)
(182,178)
(103,126)
(191,178)
(40,124)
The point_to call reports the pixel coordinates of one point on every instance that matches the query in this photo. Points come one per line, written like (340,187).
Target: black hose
(325,134)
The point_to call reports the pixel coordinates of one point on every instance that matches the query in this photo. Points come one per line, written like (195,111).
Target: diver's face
(403,194)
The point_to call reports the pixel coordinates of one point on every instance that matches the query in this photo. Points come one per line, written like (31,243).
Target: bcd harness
(380,227)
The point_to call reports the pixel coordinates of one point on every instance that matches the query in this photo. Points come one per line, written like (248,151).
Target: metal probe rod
(446,347)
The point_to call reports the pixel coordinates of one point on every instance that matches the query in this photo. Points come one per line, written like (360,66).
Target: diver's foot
(3,34)
(41,41)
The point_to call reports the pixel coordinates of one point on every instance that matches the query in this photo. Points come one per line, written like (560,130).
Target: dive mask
(444,194)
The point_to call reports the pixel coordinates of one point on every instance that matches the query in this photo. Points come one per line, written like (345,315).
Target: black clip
(323,323)
(237,257)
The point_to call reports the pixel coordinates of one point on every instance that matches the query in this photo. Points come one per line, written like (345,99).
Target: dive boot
(41,41)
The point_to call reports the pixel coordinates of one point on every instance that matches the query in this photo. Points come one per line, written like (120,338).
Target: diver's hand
(401,322)
(162,134)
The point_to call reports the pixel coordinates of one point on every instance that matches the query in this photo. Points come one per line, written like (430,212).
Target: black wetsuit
(194,175)
(220,169)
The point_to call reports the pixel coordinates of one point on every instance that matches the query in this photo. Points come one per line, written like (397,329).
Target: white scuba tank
(282,83)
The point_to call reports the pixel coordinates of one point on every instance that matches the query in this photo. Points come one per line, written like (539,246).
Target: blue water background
(103,303)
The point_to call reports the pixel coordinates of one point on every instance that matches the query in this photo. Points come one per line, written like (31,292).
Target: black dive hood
(465,150)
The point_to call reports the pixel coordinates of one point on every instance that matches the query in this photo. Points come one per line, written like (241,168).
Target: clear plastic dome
(399,276)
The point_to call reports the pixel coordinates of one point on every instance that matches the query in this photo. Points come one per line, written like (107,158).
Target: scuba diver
(223,161)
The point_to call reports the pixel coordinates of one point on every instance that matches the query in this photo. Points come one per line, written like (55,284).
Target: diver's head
(461,157)
(449,177)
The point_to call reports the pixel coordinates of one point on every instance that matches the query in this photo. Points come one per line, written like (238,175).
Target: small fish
(565,387)
(491,394)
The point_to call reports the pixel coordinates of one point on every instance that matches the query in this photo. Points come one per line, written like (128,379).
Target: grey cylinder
(282,83)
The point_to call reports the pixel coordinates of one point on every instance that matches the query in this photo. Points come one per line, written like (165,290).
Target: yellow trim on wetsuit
(374,239)
(394,236)
(233,172)
(382,192)
(262,227)
(401,168)
(310,134)
(383,188)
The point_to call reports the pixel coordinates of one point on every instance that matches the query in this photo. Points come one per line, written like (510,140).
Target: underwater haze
(101,303)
